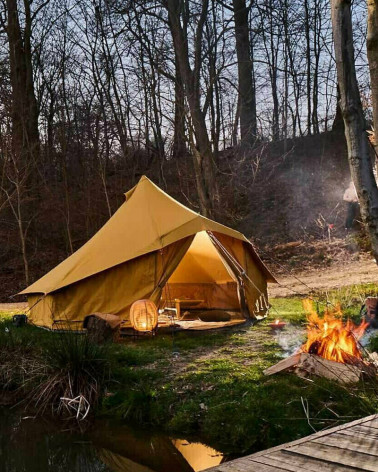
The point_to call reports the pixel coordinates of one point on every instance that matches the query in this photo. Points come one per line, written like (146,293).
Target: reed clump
(64,373)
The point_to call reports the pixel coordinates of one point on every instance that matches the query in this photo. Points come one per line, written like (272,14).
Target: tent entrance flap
(203,275)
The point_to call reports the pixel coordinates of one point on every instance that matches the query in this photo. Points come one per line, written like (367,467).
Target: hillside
(275,194)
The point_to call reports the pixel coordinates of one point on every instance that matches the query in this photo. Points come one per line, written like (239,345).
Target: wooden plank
(361,421)
(335,455)
(357,443)
(364,429)
(372,423)
(283,365)
(267,460)
(237,466)
(361,431)
(296,463)
(240,465)
(255,466)
(316,365)
(306,451)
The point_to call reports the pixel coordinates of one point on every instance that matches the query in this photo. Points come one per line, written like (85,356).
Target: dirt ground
(338,275)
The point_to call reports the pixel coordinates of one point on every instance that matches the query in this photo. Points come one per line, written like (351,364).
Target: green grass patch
(6,315)
(349,298)
(239,410)
(211,384)
(287,309)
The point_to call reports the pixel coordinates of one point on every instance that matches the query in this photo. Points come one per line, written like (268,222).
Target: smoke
(290,340)
(369,333)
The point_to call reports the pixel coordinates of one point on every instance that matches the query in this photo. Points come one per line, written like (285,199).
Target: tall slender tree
(355,129)
(25,133)
(372,53)
(246,88)
(191,77)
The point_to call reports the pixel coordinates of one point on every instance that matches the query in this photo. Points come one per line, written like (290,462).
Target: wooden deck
(352,446)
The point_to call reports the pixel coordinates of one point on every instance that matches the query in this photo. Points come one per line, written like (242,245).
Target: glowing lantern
(144,315)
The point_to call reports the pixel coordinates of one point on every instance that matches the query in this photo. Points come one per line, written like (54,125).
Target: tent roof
(148,220)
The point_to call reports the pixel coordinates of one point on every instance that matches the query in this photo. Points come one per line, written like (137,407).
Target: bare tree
(355,129)
(25,134)
(247,95)
(372,53)
(191,76)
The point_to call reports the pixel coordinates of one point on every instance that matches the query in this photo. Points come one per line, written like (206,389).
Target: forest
(95,94)
(188,235)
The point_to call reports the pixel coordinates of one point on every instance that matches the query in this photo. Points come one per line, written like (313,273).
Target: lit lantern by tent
(144,315)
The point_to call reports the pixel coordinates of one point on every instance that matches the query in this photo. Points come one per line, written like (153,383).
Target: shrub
(51,370)
(71,367)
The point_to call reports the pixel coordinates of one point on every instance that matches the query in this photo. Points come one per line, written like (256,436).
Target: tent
(152,247)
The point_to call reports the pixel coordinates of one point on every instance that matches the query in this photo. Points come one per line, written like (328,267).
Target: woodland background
(229,106)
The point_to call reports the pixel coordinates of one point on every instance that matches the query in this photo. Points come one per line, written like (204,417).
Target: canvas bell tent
(154,248)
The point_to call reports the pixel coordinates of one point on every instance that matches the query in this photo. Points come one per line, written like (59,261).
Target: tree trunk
(191,79)
(308,64)
(246,89)
(351,108)
(372,53)
(25,134)
(316,53)
(338,122)
(179,147)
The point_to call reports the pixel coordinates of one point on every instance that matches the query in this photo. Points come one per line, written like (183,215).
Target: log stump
(99,331)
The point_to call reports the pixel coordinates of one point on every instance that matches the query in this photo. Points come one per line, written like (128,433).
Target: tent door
(205,276)
(234,267)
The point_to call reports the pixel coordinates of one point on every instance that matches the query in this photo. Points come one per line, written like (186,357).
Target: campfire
(331,349)
(330,338)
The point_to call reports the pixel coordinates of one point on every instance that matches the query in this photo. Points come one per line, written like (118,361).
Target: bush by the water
(43,367)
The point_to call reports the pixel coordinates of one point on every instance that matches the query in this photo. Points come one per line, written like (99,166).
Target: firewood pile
(306,365)
(332,350)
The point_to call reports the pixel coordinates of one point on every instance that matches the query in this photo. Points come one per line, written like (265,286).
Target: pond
(29,444)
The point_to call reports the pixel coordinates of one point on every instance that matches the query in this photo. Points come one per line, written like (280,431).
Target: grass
(228,401)
(7,314)
(288,309)
(349,298)
(211,384)
(40,368)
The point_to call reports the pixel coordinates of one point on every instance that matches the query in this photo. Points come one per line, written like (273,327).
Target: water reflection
(198,455)
(38,445)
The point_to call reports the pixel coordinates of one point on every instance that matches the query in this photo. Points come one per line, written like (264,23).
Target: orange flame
(329,337)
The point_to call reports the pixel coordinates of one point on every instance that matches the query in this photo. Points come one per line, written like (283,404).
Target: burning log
(330,338)
(310,364)
(331,350)
(305,364)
